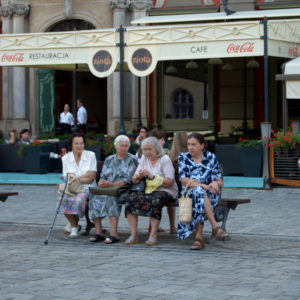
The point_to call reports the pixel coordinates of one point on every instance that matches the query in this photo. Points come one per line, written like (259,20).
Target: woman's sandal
(173,230)
(220,234)
(97,238)
(198,244)
(111,240)
(131,240)
(151,241)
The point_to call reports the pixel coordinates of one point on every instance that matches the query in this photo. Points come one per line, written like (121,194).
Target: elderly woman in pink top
(150,205)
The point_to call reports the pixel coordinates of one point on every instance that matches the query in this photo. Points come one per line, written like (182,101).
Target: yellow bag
(153,184)
(185,206)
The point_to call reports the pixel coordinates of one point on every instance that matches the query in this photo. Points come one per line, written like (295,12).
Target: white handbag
(186,206)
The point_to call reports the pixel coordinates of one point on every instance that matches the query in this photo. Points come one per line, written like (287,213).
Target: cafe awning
(98,50)
(292,71)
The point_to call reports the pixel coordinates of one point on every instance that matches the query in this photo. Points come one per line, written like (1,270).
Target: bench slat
(3,196)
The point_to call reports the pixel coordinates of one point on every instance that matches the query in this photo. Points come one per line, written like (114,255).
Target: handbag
(74,186)
(186,206)
(139,187)
(153,184)
(115,191)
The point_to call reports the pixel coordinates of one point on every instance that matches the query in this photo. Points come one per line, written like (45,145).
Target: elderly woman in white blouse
(84,164)
(154,162)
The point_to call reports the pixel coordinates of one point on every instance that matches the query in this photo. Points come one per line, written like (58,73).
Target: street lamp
(265,128)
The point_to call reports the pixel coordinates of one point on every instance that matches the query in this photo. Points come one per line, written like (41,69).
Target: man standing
(81,116)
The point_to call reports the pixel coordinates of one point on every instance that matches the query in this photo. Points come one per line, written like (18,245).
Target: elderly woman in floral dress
(154,162)
(83,163)
(117,170)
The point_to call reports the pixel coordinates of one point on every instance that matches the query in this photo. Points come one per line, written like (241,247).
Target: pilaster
(20,11)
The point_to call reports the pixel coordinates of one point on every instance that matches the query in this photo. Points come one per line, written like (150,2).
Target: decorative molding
(119,3)
(21,9)
(6,11)
(142,4)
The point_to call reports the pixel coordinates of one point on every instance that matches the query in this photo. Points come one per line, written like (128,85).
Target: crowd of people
(166,173)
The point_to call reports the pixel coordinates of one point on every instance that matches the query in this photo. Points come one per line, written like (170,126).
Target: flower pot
(251,158)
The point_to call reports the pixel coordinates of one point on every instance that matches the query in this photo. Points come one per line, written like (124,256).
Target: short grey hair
(121,138)
(155,143)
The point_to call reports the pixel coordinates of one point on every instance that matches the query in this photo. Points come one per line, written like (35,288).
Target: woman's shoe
(97,238)
(74,233)
(173,230)
(68,229)
(151,241)
(220,234)
(198,244)
(131,240)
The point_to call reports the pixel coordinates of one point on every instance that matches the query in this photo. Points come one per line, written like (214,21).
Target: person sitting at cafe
(25,137)
(12,138)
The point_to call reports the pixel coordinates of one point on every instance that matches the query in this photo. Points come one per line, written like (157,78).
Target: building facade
(185,94)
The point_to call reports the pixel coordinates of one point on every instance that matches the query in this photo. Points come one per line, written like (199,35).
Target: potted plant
(251,156)
(286,148)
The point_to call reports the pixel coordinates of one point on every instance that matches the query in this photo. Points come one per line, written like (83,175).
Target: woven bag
(186,206)
(74,186)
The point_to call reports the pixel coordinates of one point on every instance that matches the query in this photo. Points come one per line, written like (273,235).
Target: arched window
(183,104)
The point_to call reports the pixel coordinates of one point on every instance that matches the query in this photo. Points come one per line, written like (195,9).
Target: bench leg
(89,224)
(226,212)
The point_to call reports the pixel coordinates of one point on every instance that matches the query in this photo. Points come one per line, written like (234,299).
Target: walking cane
(56,211)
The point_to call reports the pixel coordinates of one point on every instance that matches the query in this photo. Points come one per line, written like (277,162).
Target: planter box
(229,159)
(285,167)
(36,159)
(10,160)
(251,158)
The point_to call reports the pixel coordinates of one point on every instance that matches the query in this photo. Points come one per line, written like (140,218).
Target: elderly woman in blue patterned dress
(84,164)
(117,170)
(202,167)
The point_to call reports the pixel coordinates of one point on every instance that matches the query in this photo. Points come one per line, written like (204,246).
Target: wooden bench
(224,206)
(4,196)
(221,211)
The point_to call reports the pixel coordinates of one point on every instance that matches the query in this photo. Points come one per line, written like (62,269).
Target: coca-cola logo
(293,51)
(17,57)
(141,59)
(240,48)
(102,61)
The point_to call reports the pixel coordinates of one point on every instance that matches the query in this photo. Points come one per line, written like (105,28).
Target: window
(183,104)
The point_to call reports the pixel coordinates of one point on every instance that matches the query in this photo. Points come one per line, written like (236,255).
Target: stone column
(6,12)
(113,82)
(19,73)
(139,10)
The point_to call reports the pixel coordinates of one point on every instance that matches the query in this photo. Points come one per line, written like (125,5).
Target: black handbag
(139,187)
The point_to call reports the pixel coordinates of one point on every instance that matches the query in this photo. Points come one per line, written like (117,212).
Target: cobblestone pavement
(261,261)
